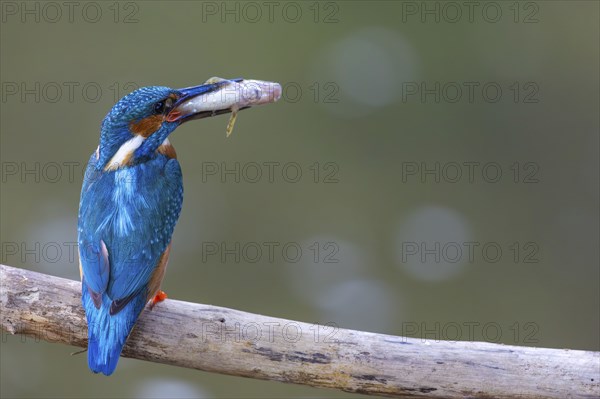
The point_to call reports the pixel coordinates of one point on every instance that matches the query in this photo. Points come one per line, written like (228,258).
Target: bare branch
(227,341)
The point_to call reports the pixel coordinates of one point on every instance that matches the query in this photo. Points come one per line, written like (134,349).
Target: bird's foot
(159,297)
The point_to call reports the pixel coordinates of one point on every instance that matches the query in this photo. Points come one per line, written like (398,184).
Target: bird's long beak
(219,96)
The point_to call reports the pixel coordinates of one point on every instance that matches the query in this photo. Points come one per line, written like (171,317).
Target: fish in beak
(220,96)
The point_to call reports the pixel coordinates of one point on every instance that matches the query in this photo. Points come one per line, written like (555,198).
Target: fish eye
(163,106)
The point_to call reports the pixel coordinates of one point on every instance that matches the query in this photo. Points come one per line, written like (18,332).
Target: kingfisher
(131,199)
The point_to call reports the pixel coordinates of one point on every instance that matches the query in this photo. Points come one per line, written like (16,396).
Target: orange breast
(159,273)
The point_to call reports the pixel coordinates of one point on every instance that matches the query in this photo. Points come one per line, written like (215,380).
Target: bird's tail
(107,333)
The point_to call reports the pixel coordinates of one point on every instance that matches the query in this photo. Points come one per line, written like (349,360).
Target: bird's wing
(132,212)
(93,254)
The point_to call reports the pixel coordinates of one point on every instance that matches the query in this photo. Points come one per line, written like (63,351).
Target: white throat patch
(123,155)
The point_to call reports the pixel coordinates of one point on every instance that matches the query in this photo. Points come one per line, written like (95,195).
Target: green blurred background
(363,122)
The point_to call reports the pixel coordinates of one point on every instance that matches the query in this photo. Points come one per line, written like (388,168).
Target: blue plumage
(107,333)
(131,199)
(127,215)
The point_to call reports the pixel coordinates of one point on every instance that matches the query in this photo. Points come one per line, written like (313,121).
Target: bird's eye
(159,107)
(163,106)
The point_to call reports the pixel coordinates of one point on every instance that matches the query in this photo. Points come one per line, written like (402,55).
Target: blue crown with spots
(135,106)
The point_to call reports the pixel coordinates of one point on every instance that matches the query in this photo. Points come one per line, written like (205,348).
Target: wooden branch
(227,341)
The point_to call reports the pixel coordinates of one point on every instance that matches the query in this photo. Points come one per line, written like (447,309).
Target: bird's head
(139,123)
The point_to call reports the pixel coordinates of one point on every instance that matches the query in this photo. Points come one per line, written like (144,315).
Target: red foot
(159,297)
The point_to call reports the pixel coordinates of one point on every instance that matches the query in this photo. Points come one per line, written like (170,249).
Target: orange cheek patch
(145,127)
